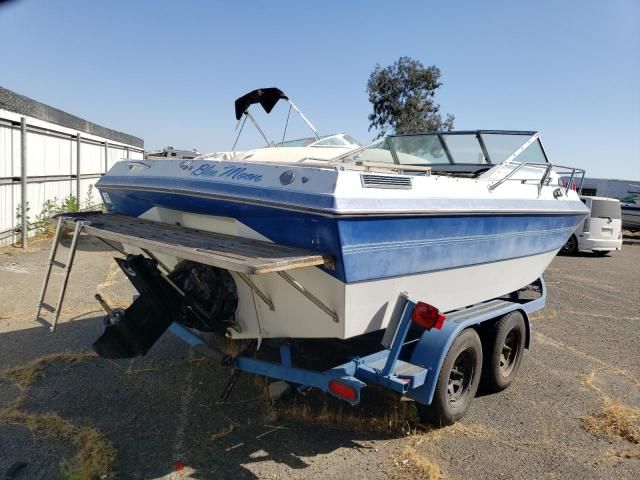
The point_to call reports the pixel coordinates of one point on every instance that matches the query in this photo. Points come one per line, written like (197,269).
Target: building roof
(17,103)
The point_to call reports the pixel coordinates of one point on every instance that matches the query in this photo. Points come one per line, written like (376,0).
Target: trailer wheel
(457,382)
(504,349)
(571,247)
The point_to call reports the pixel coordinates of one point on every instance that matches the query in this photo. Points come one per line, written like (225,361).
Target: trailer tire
(504,348)
(458,381)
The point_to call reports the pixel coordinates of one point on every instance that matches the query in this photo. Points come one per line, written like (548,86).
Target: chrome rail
(574,171)
(548,167)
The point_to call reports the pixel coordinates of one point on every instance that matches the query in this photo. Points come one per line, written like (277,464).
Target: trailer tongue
(437,359)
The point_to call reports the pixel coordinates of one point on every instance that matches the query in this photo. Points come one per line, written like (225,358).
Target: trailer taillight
(427,316)
(342,390)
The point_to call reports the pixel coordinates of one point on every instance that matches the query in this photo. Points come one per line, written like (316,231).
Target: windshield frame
(317,142)
(528,137)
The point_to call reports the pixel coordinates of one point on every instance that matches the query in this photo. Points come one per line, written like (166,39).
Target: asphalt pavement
(573,411)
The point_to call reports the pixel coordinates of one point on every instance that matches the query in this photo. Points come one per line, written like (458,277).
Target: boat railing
(545,177)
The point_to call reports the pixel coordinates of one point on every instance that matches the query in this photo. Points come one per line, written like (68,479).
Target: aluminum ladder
(55,263)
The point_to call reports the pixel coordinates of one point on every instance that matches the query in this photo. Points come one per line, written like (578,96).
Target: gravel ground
(161,414)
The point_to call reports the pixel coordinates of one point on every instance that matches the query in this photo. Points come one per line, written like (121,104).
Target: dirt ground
(573,412)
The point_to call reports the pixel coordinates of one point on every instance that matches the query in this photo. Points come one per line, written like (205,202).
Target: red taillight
(342,390)
(427,316)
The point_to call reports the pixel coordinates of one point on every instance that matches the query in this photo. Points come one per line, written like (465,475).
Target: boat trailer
(431,357)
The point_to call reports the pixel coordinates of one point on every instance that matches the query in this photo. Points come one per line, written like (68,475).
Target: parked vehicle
(601,231)
(630,206)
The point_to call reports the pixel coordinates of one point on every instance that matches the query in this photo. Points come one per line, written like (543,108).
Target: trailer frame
(415,378)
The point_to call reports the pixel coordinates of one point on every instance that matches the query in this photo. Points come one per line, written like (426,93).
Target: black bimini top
(267,97)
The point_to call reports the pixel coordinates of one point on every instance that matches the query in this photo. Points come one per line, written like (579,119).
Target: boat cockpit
(457,153)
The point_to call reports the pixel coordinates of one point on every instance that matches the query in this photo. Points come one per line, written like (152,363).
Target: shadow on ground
(161,412)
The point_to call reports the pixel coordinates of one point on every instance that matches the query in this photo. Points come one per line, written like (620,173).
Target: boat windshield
(340,140)
(476,150)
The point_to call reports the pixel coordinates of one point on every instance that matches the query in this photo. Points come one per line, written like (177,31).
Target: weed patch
(95,456)
(418,466)
(615,419)
(380,411)
(25,375)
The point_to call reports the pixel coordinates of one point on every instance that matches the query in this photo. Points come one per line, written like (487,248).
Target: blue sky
(168,71)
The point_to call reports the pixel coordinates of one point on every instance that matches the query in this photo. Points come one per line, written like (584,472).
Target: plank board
(229,252)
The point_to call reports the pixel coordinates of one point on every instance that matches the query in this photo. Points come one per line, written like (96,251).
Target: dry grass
(95,457)
(632,453)
(418,466)
(615,419)
(231,347)
(29,373)
(463,430)
(46,234)
(40,425)
(386,415)
(218,435)
(111,278)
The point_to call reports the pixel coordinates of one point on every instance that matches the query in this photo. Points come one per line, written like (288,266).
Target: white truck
(601,231)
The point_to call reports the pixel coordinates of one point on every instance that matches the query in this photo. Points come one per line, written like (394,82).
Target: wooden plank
(230,252)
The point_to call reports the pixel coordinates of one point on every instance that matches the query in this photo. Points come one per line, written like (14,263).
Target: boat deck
(229,252)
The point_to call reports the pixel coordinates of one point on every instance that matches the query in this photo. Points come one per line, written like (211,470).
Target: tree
(402,96)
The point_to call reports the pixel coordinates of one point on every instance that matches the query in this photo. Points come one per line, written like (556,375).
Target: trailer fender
(433,345)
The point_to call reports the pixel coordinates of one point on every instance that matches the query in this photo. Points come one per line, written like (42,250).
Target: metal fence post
(23,181)
(106,156)
(78,148)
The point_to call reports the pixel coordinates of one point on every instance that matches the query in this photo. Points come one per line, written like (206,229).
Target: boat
(630,216)
(630,206)
(454,218)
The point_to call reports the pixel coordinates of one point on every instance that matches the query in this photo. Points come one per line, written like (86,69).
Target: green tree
(402,96)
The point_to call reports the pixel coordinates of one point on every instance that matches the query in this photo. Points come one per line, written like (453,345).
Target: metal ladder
(55,263)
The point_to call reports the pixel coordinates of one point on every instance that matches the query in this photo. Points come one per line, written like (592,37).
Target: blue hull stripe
(327,204)
(369,248)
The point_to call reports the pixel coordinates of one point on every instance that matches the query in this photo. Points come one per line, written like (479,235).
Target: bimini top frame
(268,98)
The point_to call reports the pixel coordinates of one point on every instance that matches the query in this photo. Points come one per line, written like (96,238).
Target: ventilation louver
(385,181)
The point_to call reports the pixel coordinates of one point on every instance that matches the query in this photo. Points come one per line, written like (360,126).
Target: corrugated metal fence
(41,161)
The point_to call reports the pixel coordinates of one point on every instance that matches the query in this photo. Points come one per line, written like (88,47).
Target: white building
(605,187)
(65,154)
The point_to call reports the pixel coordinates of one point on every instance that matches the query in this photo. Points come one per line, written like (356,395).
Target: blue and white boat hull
(449,251)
